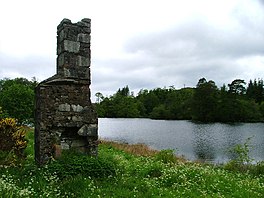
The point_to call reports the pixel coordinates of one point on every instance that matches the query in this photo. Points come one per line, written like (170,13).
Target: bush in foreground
(12,141)
(73,163)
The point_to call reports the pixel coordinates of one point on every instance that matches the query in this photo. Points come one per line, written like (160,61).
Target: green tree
(233,106)
(17,99)
(127,108)
(261,109)
(160,112)
(6,82)
(237,87)
(149,99)
(227,107)
(178,102)
(255,90)
(124,91)
(204,104)
(121,105)
(249,111)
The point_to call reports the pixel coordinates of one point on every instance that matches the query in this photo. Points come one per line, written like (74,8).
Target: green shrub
(8,158)
(151,170)
(12,137)
(73,163)
(242,161)
(1,113)
(166,156)
(258,169)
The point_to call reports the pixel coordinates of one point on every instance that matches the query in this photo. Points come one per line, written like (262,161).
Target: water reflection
(214,142)
(205,142)
(231,137)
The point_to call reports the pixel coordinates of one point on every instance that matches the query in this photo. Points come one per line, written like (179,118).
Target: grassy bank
(123,170)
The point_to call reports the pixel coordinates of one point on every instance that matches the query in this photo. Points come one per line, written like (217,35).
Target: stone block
(77,108)
(61,36)
(83,38)
(71,46)
(78,143)
(77,118)
(83,61)
(87,22)
(65,145)
(88,130)
(67,73)
(66,59)
(64,107)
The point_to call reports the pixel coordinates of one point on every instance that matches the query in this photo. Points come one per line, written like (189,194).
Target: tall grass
(135,149)
(123,170)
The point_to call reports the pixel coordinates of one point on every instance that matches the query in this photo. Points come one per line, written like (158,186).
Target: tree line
(237,102)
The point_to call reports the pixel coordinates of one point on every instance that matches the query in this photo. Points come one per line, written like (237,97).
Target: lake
(204,142)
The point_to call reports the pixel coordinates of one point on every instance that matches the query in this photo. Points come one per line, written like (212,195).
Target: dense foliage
(17,99)
(12,141)
(12,136)
(206,102)
(73,162)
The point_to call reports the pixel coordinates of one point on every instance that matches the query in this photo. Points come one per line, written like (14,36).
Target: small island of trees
(236,102)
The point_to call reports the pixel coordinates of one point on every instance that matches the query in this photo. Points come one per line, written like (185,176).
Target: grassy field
(123,170)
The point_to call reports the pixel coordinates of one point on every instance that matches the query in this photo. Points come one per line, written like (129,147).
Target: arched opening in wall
(71,140)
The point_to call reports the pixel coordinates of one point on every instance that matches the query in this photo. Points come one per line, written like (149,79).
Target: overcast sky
(139,43)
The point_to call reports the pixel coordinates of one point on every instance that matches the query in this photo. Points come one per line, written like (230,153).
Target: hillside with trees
(236,102)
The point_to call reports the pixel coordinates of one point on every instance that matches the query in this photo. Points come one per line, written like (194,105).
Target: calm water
(206,142)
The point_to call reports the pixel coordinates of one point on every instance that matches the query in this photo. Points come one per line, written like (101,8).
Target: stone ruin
(64,115)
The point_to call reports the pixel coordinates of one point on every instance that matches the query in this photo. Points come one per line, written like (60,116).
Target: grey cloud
(261,2)
(28,67)
(183,54)
(198,39)
(113,74)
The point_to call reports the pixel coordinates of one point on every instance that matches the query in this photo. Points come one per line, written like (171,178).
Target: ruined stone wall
(65,117)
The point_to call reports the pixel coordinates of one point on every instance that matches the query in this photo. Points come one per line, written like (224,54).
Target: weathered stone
(64,107)
(83,61)
(78,143)
(65,21)
(67,72)
(85,38)
(65,117)
(64,145)
(76,118)
(88,130)
(71,46)
(61,36)
(87,21)
(77,108)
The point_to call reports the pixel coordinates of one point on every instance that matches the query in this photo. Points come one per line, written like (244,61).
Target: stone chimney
(64,115)
(73,49)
